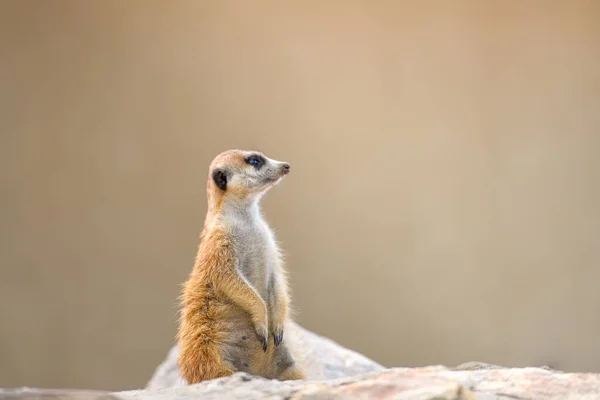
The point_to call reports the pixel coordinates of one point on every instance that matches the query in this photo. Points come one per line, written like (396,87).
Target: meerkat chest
(256,252)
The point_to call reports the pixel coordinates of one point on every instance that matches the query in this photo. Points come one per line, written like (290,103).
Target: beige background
(444,201)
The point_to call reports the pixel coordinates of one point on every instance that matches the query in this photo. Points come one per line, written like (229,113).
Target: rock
(383,385)
(321,358)
(26,393)
(338,373)
(427,383)
(474,365)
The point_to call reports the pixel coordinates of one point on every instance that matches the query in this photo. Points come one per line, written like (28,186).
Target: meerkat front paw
(278,334)
(262,331)
(277,323)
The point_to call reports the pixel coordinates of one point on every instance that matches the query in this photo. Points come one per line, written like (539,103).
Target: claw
(277,338)
(264,343)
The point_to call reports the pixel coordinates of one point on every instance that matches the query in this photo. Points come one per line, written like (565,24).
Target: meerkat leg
(283,364)
(292,373)
(194,369)
(278,306)
(240,291)
(200,355)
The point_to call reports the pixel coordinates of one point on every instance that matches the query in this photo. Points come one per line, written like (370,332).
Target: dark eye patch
(256,161)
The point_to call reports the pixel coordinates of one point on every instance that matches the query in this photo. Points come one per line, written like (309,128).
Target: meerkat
(236,298)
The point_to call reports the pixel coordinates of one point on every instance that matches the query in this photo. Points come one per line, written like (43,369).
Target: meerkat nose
(286,168)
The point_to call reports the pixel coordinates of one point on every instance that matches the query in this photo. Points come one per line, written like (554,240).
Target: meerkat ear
(220,178)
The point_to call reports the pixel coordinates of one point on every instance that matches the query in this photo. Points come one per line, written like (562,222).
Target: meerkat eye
(256,161)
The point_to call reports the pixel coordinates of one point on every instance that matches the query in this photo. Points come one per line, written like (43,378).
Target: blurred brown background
(444,201)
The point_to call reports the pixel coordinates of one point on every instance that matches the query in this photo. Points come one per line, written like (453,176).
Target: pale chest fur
(255,249)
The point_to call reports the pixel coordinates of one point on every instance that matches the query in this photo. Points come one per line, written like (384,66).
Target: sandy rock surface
(339,373)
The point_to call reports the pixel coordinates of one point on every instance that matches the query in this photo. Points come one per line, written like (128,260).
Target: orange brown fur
(223,313)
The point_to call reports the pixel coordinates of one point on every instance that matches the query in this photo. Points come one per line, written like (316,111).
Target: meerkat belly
(240,343)
(243,349)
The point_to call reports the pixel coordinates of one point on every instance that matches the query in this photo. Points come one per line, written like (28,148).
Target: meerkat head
(240,176)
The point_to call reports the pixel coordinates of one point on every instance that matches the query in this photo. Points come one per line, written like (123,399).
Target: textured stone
(338,373)
(429,383)
(26,393)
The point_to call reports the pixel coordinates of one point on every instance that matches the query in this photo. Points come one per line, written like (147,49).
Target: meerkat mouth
(274,180)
